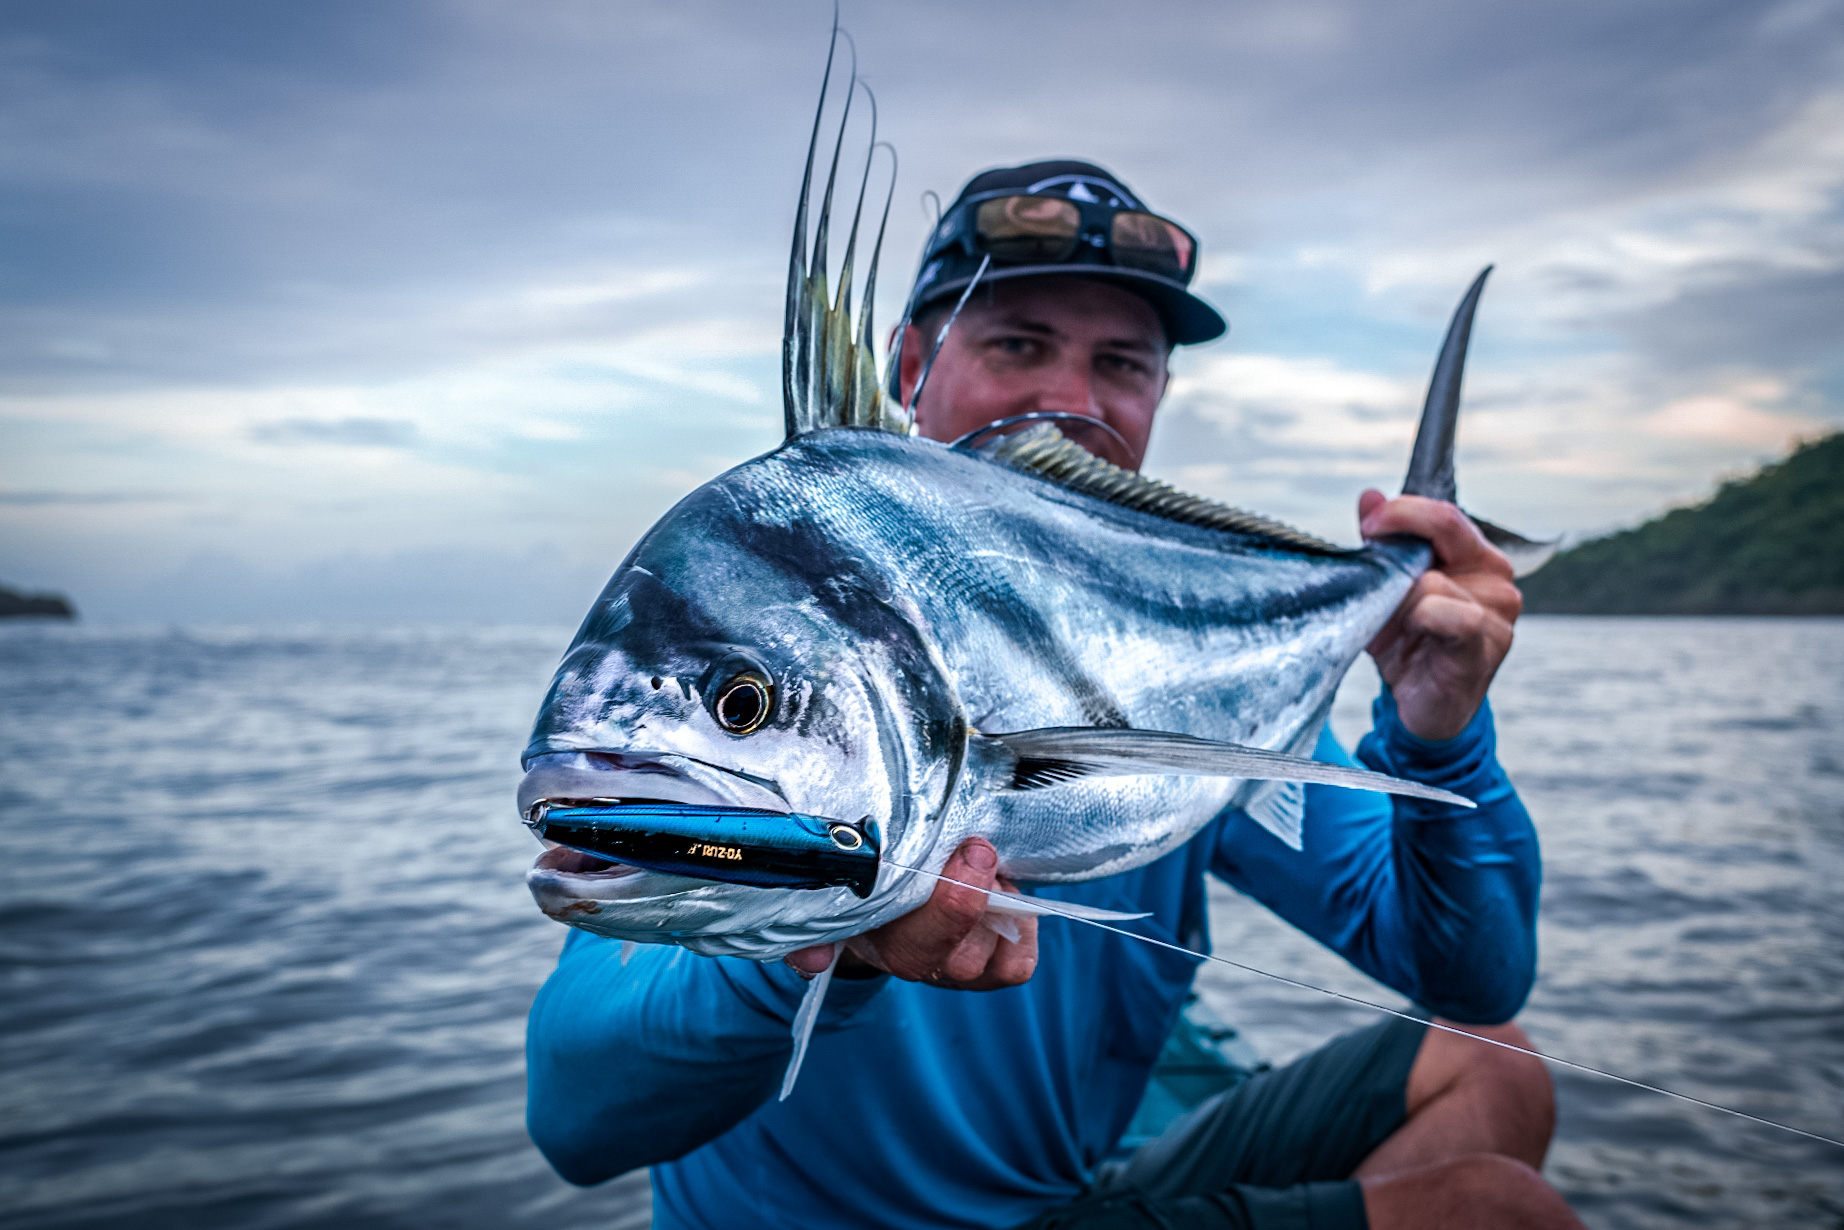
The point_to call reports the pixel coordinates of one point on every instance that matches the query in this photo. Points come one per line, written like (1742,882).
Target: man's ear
(910,367)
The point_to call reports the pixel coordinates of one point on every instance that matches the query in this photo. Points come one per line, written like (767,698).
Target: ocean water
(266,951)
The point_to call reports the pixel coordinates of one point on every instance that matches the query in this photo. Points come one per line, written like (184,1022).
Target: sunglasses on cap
(1023,229)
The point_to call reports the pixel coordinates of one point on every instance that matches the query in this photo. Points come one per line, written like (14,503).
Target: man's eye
(1123,365)
(1017,345)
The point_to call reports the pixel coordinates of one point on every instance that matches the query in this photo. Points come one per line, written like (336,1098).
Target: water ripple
(265,952)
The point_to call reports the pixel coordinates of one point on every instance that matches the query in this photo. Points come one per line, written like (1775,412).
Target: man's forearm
(1462,925)
(1436,901)
(636,1063)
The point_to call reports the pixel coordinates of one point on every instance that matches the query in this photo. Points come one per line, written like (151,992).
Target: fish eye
(742,702)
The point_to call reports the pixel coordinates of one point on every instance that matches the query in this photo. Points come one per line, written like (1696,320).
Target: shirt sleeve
(641,1060)
(1437,901)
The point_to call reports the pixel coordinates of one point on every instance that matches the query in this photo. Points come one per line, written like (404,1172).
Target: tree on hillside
(1770,544)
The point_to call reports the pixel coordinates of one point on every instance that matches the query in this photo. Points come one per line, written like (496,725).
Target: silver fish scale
(1054,609)
(908,597)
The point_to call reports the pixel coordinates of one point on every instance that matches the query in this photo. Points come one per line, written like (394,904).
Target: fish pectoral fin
(1526,554)
(998,902)
(1058,754)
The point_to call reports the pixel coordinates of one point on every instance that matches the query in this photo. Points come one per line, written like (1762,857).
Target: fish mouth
(571,883)
(616,834)
(580,864)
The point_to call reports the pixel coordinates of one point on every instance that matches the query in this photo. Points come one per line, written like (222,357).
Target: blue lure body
(736,845)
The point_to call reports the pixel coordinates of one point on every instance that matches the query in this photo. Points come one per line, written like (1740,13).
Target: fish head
(749,660)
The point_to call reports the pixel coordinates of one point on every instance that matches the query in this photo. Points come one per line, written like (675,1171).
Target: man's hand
(1439,652)
(942,941)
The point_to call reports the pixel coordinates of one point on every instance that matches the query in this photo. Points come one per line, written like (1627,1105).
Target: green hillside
(1771,544)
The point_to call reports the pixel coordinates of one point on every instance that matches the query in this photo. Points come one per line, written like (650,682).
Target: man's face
(1053,343)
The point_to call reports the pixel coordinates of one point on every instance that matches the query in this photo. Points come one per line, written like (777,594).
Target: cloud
(1769,316)
(431,585)
(366,281)
(1737,414)
(41,498)
(343,433)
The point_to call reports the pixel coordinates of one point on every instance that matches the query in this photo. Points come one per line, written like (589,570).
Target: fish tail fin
(1431,461)
(828,366)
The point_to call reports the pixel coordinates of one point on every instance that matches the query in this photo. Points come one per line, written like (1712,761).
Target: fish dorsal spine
(828,359)
(1046,452)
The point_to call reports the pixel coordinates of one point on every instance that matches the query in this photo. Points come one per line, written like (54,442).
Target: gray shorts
(1274,1153)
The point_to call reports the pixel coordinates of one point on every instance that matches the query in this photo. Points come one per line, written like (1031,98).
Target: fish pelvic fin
(1060,754)
(1002,925)
(1001,903)
(1280,807)
(1431,461)
(804,1020)
(828,359)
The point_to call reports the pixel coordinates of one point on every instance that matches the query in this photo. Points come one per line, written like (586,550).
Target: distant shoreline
(16,605)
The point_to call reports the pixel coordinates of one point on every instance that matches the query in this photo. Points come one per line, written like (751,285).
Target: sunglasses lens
(1149,242)
(1028,228)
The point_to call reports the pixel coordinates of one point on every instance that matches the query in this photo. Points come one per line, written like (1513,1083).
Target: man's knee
(1493,1183)
(1484,1189)
(1481,1097)
(1508,1078)
(1521,1085)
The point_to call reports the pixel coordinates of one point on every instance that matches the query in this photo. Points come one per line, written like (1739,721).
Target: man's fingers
(920,944)
(1403,622)
(1458,544)
(1442,608)
(966,945)
(1013,964)
(964,965)
(975,863)
(1447,618)
(811,961)
(987,961)
(943,942)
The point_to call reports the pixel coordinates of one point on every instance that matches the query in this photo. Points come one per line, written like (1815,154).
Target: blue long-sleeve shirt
(919,1107)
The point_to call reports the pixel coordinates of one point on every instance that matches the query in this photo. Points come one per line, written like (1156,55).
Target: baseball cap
(1105,233)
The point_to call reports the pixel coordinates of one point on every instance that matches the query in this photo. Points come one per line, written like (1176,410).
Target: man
(924,1104)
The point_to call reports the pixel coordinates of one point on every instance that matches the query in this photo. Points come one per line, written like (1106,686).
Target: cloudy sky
(387,310)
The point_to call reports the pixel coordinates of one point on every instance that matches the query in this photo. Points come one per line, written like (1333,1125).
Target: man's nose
(1071,390)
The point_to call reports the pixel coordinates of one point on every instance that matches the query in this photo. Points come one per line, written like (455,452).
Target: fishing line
(1050,907)
(916,395)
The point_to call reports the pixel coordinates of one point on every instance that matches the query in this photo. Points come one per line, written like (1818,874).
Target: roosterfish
(822,671)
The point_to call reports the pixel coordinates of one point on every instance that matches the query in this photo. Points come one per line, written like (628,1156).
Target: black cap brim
(1188,320)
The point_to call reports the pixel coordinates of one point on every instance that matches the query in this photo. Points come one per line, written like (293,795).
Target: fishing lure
(734,845)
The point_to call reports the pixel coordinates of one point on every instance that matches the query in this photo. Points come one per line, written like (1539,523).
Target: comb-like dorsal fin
(1046,452)
(828,364)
